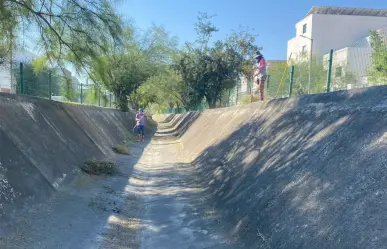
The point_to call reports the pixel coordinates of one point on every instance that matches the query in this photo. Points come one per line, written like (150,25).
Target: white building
(325,28)
(354,59)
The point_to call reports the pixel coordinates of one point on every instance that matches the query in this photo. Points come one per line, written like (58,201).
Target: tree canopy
(124,68)
(72,31)
(378,73)
(207,70)
(140,68)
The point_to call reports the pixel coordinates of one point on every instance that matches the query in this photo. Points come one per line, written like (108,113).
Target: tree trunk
(229,97)
(211,103)
(122,102)
(171,105)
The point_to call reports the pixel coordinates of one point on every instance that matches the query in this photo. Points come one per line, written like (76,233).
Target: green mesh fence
(58,85)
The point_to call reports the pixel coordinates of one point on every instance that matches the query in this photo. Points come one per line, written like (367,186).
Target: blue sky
(272,20)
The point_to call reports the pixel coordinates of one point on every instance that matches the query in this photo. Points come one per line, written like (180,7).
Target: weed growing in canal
(96,167)
(122,149)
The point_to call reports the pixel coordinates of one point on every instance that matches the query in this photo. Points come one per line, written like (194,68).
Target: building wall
(8,81)
(5,79)
(336,31)
(355,60)
(295,44)
(333,32)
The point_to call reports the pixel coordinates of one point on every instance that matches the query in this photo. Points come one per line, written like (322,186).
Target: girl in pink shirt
(261,73)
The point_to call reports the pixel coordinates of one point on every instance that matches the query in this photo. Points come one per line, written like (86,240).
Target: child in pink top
(261,73)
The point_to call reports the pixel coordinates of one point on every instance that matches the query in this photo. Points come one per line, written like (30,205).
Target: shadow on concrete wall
(311,178)
(43,144)
(178,125)
(167,118)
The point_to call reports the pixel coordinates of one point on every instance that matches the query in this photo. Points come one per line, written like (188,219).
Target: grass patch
(122,149)
(96,167)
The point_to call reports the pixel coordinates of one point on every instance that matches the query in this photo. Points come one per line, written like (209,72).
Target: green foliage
(169,87)
(242,41)
(162,89)
(122,149)
(208,71)
(67,89)
(69,31)
(378,73)
(191,66)
(204,29)
(96,167)
(131,64)
(37,83)
(301,76)
(277,71)
(142,97)
(91,95)
(39,64)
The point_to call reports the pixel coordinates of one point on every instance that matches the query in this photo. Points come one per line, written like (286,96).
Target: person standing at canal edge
(140,124)
(261,73)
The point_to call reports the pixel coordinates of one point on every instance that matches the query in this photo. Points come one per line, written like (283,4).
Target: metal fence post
(99,96)
(329,73)
(81,93)
(291,81)
(110,100)
(21,78)
(49,85)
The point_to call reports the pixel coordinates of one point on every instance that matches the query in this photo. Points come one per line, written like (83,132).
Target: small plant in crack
(97,167)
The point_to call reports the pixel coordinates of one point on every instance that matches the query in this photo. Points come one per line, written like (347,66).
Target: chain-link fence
(359,65)
(55,84)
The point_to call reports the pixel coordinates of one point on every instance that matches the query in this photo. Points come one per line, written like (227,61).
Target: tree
(165,88)
(378,73)
(204,29)
(126,67)
(223,67)
(91,95)
(207,71)
(142,96)
(191,67)
(72,31)
(242,40)
(67,89)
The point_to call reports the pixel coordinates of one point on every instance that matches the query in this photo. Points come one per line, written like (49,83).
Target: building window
(339,72)
(304,28)
(304,49)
